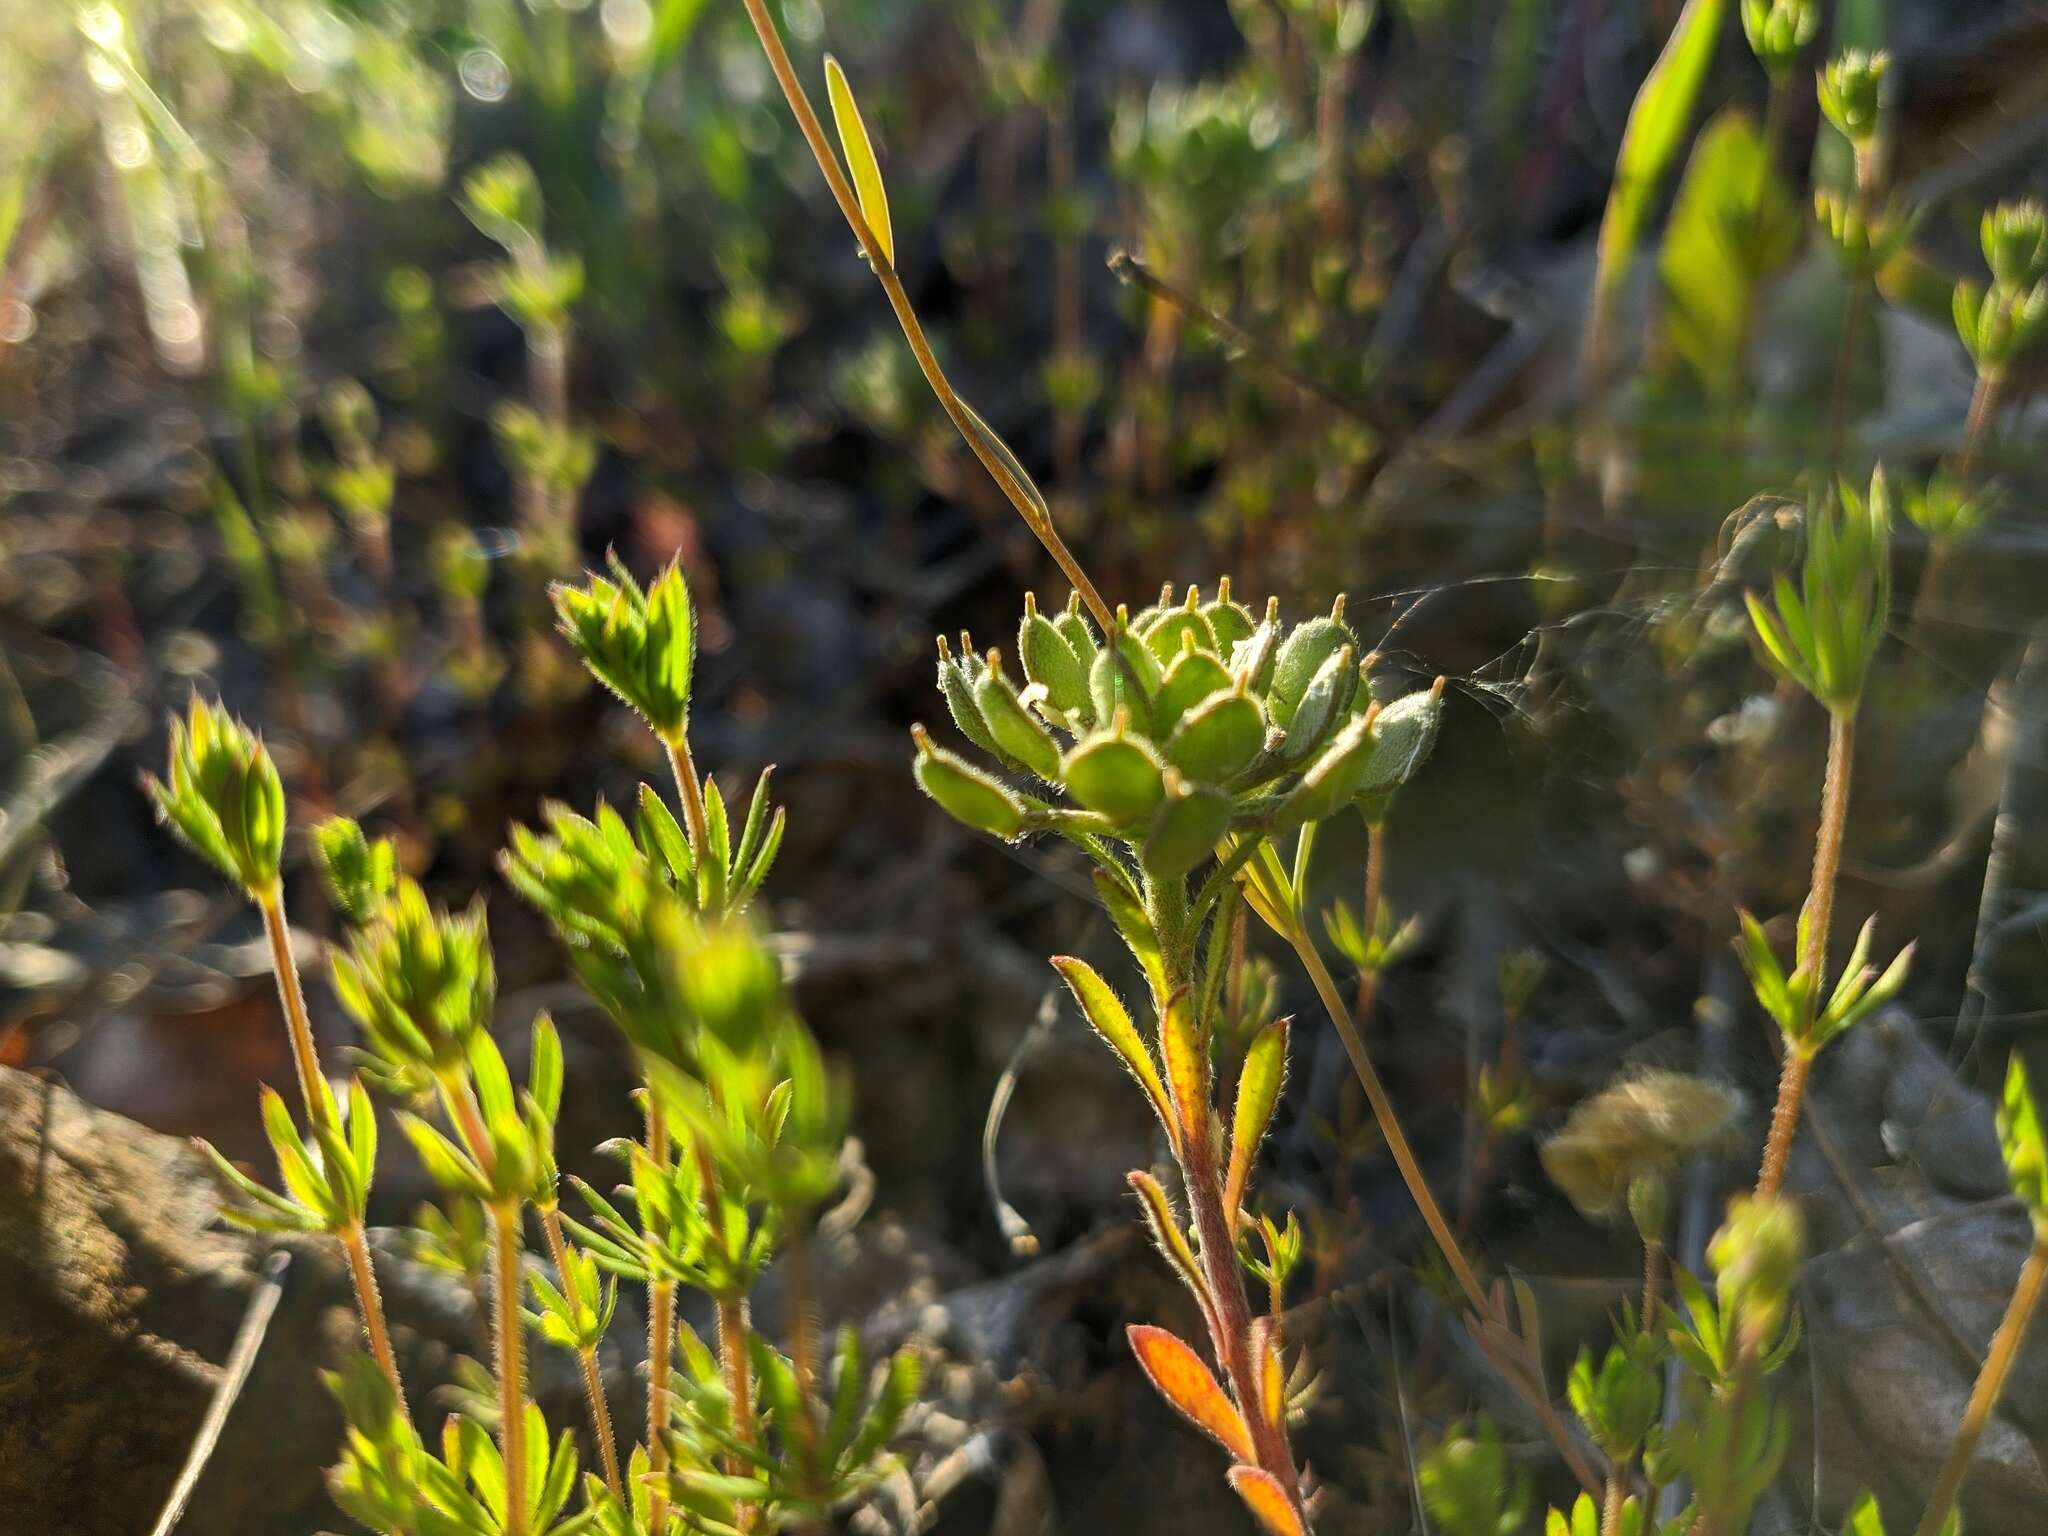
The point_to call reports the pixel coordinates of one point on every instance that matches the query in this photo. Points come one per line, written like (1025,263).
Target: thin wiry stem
(2005,1349)
(1020,497)
(305,1058)
(593,1379)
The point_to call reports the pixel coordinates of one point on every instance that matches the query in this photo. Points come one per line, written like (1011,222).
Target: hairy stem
(2005,1349)
(1827,844)
(509,1346)
(1784,1119)
(305,1058)
(370,1306)
(691,791)
(1020,496)
(593,1379)
(1610,1504)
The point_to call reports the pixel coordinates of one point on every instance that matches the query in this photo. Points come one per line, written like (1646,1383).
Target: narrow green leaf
(860,159)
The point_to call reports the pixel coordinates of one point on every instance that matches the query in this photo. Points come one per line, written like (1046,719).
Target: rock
(1908,1279)
(120,1297)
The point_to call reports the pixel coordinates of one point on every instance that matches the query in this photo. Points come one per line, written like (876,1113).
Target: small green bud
(1470,1487)
(1852,92)
(2025,1144)
(1018,735)
(1756,1257)
(1185,829)
(1649,1205)
(641,645)
(1864,242)
(1947,509)
(420,982)
(502,199)
(2015,237)
(1050,661)
(964,792)
(1405,732)
(1778,30)
(1255,657)
(1301,658)
(1218,739)
(1115,775)
(223,797)
(1617,1402)
(360,874)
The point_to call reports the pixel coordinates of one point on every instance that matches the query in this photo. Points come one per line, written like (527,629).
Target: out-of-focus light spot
(627,23)
(484,75)
(128,146)
(225,28)
(101,24)
(104,75)
(17,322)
(806,20)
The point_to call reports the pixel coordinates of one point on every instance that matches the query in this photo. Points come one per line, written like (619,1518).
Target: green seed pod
(956,684)
(964,792)
(1301,657)
(1229,621)
(1125,675)
(1193,677)
(1016,730)
(1073,625)
(1050,661)
(1322,704)
(1253,657)
(1406,733)
(1218,739)
(1185,829)
(1332,779)
(1167,634)
(1116,776)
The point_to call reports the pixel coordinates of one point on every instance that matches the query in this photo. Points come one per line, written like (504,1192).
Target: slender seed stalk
(370,1306)
(661,1332)
(305,1058)
(1369,914)
(509,1346)
(899,301)
(1390,1125)
(593,1379)
(1418,1188)
(2005,1349)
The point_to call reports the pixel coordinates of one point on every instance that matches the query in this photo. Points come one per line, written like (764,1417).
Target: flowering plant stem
(312,1094)
(1022,499)
(2005,1349)
(1813,954)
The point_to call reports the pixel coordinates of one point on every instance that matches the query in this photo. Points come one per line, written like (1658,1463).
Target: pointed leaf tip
(1267,1500)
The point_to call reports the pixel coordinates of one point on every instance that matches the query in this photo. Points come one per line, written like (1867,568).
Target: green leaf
(860,159)
(1650,142)
(1107,1016)
(1259,1082)
(2022,1139)
(1012,465)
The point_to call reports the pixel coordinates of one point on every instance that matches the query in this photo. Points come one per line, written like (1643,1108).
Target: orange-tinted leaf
(1268,1501)
(1177,1371)
(1187,1068)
